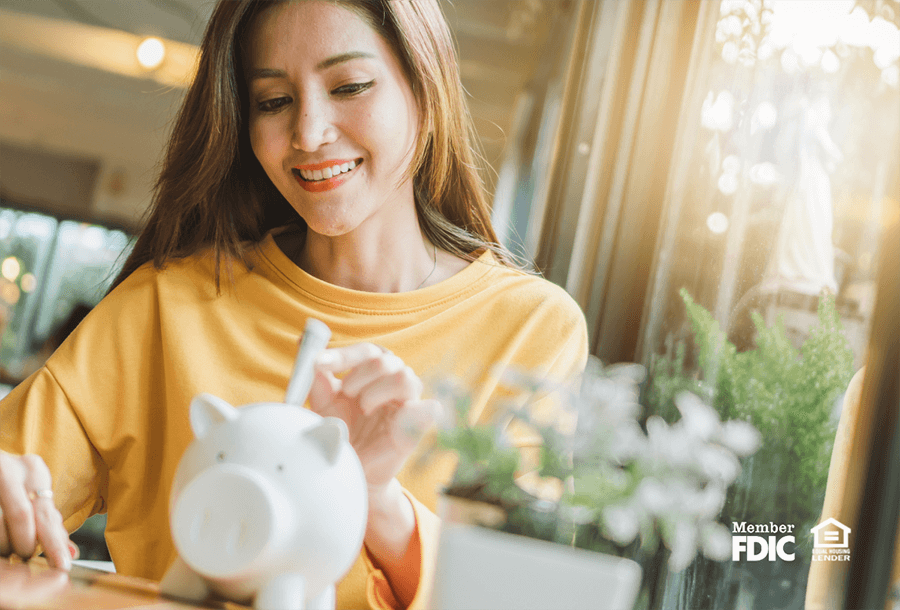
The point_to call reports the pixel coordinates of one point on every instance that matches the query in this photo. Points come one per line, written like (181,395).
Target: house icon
(831,534)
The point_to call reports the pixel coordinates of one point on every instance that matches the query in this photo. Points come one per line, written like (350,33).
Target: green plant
(786,393)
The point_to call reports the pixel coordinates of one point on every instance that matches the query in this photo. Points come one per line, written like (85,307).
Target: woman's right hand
(28,516)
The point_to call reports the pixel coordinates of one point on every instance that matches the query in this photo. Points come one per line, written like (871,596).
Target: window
(724,175)
(48,267)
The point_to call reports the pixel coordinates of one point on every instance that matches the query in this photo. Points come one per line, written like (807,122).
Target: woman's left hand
(380,399)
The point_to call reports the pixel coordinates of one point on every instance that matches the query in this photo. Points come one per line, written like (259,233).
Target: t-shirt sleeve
(70,411)
(37,418)
(378,590)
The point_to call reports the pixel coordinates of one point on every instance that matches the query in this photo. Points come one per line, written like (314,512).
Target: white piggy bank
(268,505)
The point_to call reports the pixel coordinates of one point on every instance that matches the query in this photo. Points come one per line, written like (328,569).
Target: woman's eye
(352,89)
(273,105)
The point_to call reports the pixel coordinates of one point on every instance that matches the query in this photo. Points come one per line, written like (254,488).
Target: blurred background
(742,152)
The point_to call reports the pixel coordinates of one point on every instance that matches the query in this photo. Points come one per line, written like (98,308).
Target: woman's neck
(398,261)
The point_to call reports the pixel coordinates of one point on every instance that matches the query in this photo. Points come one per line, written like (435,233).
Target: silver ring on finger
(44,494)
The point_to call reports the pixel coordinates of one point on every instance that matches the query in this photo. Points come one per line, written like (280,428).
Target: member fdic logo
(831,541)
(761,548)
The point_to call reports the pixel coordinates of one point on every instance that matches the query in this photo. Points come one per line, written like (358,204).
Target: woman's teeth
(328,172)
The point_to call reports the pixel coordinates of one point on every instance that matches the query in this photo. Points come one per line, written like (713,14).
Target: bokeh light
(10,268)
(29,282)
(151,52)
(10,293)
(717,222)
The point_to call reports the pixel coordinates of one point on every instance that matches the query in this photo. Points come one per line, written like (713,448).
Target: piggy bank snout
(230,520)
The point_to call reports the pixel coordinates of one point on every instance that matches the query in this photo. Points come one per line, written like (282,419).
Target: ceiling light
(151,52)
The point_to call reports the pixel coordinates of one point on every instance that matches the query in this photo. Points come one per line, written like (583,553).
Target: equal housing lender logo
(831,542)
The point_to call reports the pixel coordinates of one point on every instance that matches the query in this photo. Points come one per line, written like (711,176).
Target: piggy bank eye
(280,467)
(220,457)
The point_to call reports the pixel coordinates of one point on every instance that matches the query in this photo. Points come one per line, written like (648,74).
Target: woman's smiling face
(327,91)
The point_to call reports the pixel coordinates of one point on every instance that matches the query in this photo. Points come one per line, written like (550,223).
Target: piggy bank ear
(328,436)
(207,411)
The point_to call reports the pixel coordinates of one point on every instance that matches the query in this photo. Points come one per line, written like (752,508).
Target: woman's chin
(329,227)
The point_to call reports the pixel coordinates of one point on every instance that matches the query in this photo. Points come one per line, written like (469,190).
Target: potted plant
(789,395)
(597,485)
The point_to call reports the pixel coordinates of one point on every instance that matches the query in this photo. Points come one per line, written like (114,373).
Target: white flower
(622,523)
(891,76)
(683,545)
(809,55)
(708,502)
(721,36)
(657,430)
(718,463)
(627,372)
(747,57)
(654,496)
(699,419)
(715,540)
(717,114)
(683,491)
(730,6)
(627,441)
(730,52)
(663,479)
(666,448)
(741,437)
(731,26)
(830,62)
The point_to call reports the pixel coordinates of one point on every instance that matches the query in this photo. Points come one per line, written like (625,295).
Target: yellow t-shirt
(109,410)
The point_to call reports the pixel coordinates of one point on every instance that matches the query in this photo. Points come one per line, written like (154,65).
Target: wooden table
(34,585)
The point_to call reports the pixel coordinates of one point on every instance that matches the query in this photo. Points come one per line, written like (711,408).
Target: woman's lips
(315,170)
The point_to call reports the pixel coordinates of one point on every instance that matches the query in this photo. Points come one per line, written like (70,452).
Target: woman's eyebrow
(338,59)
(322,65)
(266,73)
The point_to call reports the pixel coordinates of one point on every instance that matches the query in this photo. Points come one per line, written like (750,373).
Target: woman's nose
(313,126)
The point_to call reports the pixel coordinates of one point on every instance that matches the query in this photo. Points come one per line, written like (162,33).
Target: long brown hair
(212,191)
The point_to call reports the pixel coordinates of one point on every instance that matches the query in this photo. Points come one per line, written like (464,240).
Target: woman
(321,166)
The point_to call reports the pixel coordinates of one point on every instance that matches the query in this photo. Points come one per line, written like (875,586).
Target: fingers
(364,373)
(51,534)
(5,544)
(322,395)
(18,511)
(29,515)
(375,376)
(414,419)
(343,358)
(376,389)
